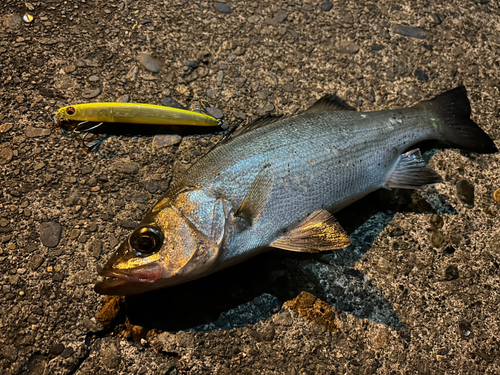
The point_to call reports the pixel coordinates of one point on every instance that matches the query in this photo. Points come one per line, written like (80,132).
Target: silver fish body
(271,186)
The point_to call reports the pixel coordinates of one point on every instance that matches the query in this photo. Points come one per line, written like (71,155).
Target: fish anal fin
(254,202)
(320,231)
(329,103)
(411,172)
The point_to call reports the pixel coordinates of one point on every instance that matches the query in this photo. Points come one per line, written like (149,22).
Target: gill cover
(192,231)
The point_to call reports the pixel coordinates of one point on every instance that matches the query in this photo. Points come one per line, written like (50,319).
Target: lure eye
(146,240)
(70,111)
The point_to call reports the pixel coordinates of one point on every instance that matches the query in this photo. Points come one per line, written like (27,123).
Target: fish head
(65,114)
(167,249)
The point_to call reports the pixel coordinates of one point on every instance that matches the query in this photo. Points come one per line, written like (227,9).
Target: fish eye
(146,240)
(70,111)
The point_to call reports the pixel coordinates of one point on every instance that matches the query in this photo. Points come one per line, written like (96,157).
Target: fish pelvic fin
(254,202)
(329,103)
(320,231)
(453,110)
(411,172)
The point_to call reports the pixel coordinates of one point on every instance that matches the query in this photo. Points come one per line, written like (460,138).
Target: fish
(78,115)
(277,183)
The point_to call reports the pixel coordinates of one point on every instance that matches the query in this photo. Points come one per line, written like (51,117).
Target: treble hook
(79,128)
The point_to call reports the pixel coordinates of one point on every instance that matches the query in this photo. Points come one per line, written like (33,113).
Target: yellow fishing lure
(132,113)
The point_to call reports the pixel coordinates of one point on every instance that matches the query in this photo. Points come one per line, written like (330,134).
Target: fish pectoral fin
(329,103)
(411,172)
(319,232)
(256,198)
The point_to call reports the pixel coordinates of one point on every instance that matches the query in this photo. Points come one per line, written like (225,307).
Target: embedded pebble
(123,99)
(284,318)
(161,140)
(240,82)
(172,103)
(451,273)
(83,277)
(6,154)
(269,107)
(437,239)
(50,233)
(56,349)
(191,64)
(239,51)
(223,8)
(110,355)
(436,221)
(326,6)
(140,197)
(184,339)
(32,132)
(86,169)
(149,62)
(278,18)
(348,47)
(67,352)
(93,78)
(420,75)
(151,186)
(4,128)
(127,224)
(268,332)
(409,31)
(381,339)
(13,21)
(35,262)
(465,192)
(96,247)
(91,93)
(69,68)
(123,166)
(9,353)
(253,19)
(215,112)
(167,341)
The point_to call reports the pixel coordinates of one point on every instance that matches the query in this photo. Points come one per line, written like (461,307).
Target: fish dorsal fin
(411,172)
(320,231)
(330,103)
(245,128)
(256,198)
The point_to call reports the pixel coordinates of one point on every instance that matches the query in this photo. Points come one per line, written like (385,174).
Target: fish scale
(370,145)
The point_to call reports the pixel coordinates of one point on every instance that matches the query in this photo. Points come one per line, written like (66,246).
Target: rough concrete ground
(417,293)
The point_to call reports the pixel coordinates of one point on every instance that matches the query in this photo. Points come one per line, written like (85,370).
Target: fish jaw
(185,254)
(131,281)
(122,277)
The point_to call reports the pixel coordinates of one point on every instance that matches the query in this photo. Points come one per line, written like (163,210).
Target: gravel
(417,291)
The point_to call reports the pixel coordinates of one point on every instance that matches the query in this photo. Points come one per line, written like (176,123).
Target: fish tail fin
(456,127)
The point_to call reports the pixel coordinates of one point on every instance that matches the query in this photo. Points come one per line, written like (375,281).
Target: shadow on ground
(254,290)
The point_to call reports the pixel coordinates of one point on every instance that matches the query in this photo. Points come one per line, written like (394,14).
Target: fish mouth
(128,281)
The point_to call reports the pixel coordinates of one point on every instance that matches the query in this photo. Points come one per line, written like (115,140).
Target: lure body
(132,113)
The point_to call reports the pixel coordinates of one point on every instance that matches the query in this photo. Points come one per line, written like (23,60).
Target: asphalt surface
(416,293)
